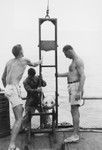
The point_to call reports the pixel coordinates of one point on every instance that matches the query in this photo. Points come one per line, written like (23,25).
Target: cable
(47,11)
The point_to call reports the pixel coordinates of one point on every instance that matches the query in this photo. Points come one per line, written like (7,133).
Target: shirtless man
(76,78)
(11,77)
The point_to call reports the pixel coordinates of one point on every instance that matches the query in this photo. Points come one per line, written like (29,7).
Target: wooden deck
(88,141)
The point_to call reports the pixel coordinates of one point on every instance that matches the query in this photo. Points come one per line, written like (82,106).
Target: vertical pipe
(39,44)
(40,57)
(56,72)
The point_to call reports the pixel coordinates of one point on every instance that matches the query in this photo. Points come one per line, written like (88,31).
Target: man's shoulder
(79,62)
(19,59)
(36,77)
(24,59)
(26,80)
(10,61)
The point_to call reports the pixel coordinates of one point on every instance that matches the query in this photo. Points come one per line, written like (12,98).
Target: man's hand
(39,89)
(58,74)
(40,61)
(78,96)
(62,74)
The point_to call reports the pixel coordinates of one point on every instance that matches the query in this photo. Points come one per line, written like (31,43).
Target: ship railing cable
(90,98)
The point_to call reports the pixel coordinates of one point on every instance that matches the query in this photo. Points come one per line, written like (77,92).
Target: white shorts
(13,93)
(72,89)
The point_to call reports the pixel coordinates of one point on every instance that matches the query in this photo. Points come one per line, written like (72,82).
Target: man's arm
(80,69)
(82,77)
(27,86)
(35,64)
(62,74)
(43,83)
(4,76)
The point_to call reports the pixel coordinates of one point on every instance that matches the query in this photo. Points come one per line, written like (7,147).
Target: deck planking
(88,141)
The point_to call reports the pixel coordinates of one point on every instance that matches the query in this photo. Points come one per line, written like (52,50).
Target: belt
(73,82)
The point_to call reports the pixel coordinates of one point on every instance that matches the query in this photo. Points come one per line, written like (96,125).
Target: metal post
(56,73)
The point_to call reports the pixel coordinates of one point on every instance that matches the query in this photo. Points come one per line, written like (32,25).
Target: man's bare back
(15,69)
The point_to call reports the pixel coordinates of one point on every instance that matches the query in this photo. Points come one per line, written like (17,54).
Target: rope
(47,11)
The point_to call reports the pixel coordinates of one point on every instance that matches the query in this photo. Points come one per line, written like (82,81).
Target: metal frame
(54,22)
(54,111)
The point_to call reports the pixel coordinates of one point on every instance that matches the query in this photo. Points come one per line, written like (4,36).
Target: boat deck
(89,140)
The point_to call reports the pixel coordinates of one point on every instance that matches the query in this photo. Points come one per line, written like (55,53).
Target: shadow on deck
(88,141)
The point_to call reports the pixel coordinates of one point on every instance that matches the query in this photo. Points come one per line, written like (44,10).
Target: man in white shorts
(11,77)
(76,79)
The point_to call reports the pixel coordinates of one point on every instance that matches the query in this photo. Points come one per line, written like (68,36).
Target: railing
(84,129)
(92,98)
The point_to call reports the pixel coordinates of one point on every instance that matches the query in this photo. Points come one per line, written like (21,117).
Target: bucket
(4,116)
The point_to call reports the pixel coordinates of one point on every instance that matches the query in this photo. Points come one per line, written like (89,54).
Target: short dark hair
(16,50)
(31,72)
(67,47)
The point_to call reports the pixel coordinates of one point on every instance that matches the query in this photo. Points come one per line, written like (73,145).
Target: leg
(47,118)
(42,117)
(27,124)
(54,125)
(27,117)
(75,117)
(73,88)
(18,111)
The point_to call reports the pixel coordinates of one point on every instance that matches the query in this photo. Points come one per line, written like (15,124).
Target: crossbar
(42,113)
